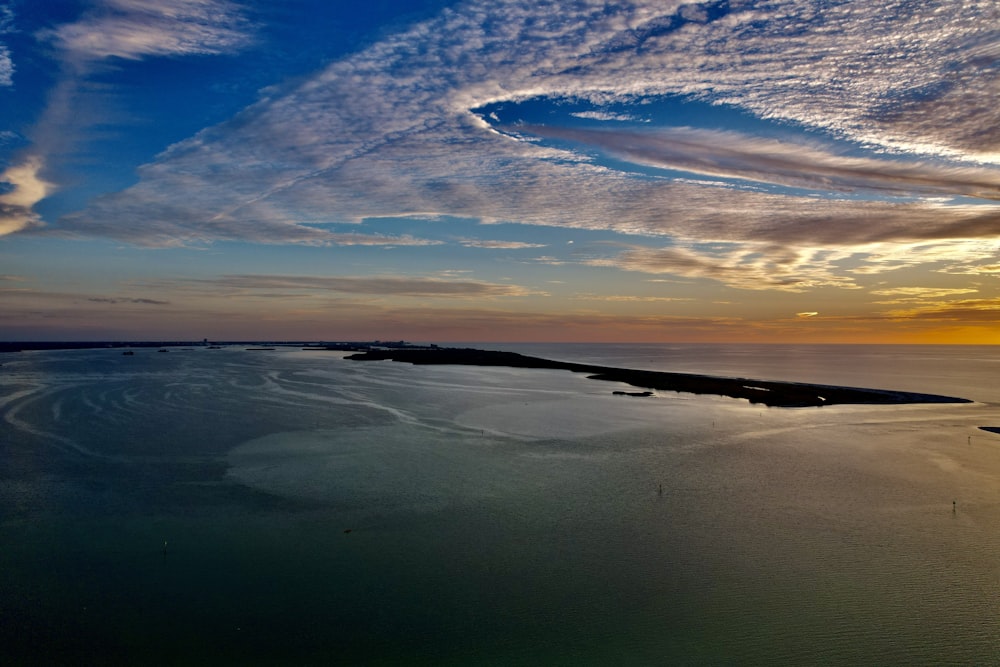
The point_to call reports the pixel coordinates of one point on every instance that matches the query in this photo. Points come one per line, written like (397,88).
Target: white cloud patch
(607,116)
(134,29)
(26,188)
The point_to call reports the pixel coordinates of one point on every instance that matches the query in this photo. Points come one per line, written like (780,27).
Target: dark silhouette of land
(770,393)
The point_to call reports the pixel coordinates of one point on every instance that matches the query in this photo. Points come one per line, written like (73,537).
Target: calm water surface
(293,507)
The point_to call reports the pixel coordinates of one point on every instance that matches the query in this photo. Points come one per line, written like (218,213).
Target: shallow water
(316,509)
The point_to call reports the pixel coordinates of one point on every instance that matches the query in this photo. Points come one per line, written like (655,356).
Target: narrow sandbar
(766,392)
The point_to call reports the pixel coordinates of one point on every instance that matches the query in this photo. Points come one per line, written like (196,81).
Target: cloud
(134,29)
(987,269)
(128,29)
(969,311)
(6,67)
(149,302)
(6,63)
(771,265)
(627,298)
(390,131)
(370,285)
(26,189)
(918,294)
(806,315)
(500,245)
(742,266)
(606,116)
(734,155)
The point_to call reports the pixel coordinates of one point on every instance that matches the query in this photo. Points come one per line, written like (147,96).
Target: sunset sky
(786,171)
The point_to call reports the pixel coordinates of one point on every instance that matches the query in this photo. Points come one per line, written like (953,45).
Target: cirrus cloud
(370,285)
(133,29)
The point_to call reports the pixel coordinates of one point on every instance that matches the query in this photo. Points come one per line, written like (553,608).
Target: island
(765,392)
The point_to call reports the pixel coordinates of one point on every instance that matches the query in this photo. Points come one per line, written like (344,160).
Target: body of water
(294,507)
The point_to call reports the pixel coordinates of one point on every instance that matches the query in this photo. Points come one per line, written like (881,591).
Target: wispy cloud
(735,155)
(794,268)
(629,298)
(901,295)
(753,267)
(607,116)
(370,285)
(500,245)
(134,29)
(142,301)
(6,63)
(969,311)
(390,131)
(127,29)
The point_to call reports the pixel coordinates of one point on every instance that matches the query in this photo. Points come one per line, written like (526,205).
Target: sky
(513,170)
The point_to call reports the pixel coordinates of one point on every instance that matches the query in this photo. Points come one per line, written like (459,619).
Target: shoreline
(766,392)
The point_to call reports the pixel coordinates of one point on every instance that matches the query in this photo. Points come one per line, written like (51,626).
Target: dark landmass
(770,393)
(22,346)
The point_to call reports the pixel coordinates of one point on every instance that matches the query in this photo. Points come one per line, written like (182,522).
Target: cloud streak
(134,29)
(388,286)
(500,245)
(141,301)
(734,155)
(6,63)
(965,311)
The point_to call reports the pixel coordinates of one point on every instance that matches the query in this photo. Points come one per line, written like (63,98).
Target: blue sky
(440,171)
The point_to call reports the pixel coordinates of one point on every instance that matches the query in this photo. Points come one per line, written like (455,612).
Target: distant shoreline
(769,393)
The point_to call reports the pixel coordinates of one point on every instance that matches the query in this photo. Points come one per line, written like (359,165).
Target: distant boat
(214,347)
(128,353)
(161,350)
